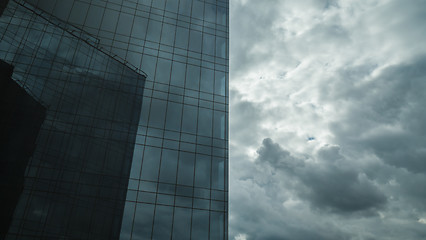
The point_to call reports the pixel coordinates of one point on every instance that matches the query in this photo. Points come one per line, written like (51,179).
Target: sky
(327,119)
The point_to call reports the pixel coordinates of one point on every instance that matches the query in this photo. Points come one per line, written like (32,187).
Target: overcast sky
(328,119)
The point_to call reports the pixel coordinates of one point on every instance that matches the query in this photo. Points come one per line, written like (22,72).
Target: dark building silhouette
(116,119)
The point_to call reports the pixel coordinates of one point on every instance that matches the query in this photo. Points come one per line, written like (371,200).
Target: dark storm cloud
(330,182)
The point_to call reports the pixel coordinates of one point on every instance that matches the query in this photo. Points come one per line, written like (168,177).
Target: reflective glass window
(124,24)
(162,222)
(200,224)
(220,47)
(139,27)
(157,113)
(163,70)
(202,171)
(148,65)
(218,173)
(169,160)
(174,113)
(210,12)
(109,22)
(186,168)
(185,7)
(168,34)
(207,80)
(189,121)
(178,74)
(197,9)
(221,16)
(219,124)
(216,225)
(205,118)
(195,39)
(182,35)
(137,161)
(208,44)
(150,163)
(94,16)
(142,225)
(220,83)
(78,13)
(182,223)
(154,31)
(192,77)
(172,5)
(127,222)
(158,4)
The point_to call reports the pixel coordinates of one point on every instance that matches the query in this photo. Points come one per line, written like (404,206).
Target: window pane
(150,163)
(143,221)
(182,37)
(202,171)
(192,77)
(168,169)
(220,83)
(157,113)
(210,12)
(221,16)
(189,121)
(109,22)
(124,24)
(163,70)
(219,125)
(205,117)
(178,74)
(172,5)
(139,27)
(197,9)
(174,113)
(218,172)
(158,4)
(186,168)
(182,223)
(208,44)
(168,34)
(185,7)
(127,222)
(207,80)
(200,224)
(216,225)
(195,41)
(137,161)
(162,222)
(220,47)
(154,30)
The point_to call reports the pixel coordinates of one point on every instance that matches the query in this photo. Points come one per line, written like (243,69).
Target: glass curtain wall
(178,181)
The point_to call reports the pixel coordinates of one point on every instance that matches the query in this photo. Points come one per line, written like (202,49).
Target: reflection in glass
(142,226)
(186,168)
(169,160)
(182,223)
(162,222)
(216,225)
(200,224)
(202,171)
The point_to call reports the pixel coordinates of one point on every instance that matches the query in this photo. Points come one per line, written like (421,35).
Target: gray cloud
(330,182)
(339,87)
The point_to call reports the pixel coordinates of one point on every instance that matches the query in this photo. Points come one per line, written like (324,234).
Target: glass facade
(133,139)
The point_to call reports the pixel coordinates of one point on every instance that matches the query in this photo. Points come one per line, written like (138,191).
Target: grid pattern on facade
(178,182)
(76,180)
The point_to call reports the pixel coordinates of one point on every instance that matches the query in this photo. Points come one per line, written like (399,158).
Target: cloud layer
(328,119)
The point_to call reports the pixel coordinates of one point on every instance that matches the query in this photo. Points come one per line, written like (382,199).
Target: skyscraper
(131,103)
